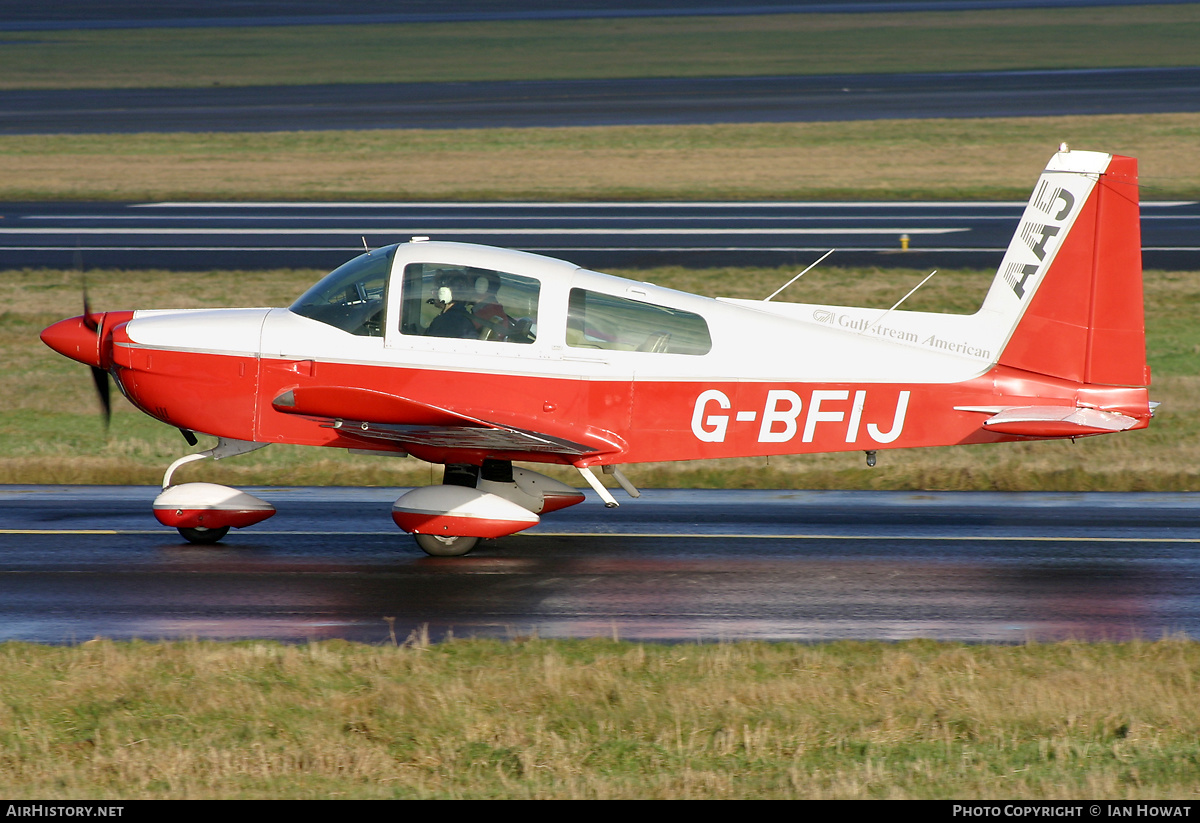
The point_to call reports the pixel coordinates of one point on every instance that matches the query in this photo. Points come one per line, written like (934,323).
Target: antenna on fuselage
(366,248)
(911,292)
(801,274)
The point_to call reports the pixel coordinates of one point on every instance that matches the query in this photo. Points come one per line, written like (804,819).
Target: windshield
(353,296)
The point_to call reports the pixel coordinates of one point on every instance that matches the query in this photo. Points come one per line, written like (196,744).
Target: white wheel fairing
(459,511)
(209,506)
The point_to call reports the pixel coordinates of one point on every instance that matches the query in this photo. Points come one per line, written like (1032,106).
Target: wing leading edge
(373,416)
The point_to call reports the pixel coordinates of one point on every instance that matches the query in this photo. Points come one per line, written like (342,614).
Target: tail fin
(1071,280)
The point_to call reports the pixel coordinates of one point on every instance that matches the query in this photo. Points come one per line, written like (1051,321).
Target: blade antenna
(913,290)
(801,274)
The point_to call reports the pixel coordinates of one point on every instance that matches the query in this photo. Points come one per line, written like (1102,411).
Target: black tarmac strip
(637,101)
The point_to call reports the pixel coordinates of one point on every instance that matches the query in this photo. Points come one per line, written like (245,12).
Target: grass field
(776,44)
(600,719)
(967,159)
(51,431)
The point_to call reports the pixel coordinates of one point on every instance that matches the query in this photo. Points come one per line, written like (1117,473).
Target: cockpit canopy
(474,302)
(353,296)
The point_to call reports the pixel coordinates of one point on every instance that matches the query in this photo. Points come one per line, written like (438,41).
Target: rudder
(1072,276)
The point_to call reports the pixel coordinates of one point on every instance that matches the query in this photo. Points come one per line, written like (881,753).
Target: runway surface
(635,101)
(206,236)
(78,562)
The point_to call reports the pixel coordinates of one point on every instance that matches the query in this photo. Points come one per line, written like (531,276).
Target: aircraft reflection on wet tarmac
(80,562)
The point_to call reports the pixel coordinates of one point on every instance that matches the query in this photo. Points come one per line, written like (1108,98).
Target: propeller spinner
(79,338)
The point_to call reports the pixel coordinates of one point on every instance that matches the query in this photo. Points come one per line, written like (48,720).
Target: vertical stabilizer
(1071,280)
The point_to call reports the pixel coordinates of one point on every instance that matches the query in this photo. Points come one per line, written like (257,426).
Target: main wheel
(203,536)
(437,545)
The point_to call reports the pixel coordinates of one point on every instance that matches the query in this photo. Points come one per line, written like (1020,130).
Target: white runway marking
(406,230)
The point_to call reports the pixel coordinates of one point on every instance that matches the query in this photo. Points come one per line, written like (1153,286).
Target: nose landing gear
(204,513)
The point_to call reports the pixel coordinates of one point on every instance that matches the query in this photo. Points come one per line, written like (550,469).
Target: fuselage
(630,371)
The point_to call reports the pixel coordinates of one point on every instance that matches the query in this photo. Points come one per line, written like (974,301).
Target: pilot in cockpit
(452,296)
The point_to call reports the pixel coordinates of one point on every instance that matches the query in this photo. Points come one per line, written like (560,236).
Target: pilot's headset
(443,294)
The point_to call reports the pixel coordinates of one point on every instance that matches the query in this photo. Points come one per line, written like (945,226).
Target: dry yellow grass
(934,159)
(598,719)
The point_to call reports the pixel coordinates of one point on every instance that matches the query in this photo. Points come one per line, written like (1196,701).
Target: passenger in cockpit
(493,319)
(455,319)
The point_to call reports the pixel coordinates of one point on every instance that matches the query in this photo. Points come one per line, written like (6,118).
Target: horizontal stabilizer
(1057,421)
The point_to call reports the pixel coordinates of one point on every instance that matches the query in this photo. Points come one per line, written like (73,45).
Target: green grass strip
(534,718)
(781,44)
(972,159)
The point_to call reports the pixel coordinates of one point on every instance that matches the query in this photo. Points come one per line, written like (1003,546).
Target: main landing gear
(436,545)
(490,500)
(202,536)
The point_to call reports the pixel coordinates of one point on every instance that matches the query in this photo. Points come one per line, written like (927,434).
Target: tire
(435,545)
(203,536)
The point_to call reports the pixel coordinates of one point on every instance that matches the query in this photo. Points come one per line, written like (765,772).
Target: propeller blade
(100,378)
(99,375)
(88,320)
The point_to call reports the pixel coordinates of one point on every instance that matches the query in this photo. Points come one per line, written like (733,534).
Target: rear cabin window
(602,321)
(469,303)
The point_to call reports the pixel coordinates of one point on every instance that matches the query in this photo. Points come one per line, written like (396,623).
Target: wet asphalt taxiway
(81,562)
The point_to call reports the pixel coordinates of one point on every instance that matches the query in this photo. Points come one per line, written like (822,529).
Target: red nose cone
(72,338)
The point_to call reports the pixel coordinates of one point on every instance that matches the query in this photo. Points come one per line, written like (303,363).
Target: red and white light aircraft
(476,357)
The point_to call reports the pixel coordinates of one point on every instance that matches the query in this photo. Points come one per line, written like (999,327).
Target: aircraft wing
(380,417)
(492,438)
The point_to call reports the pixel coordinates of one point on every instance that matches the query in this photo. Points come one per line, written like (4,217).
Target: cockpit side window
(353,296)
(603,321)
(470,303)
